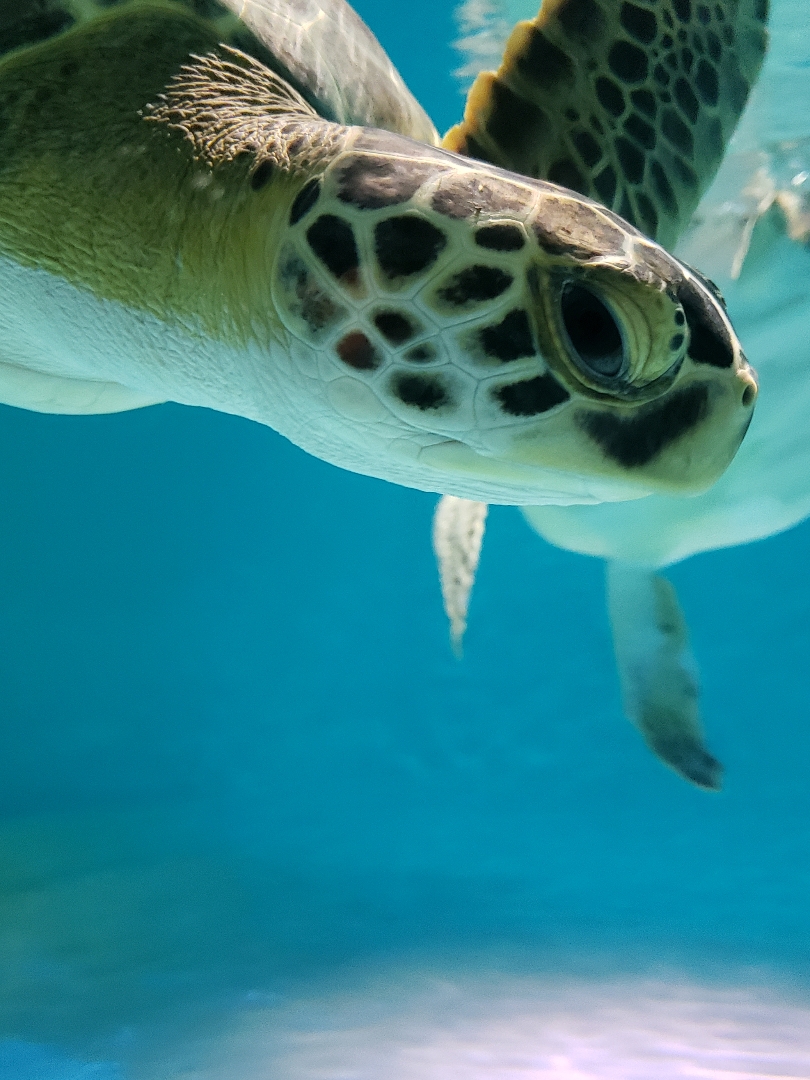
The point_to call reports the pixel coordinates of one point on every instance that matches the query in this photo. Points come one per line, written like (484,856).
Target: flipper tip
(702,769)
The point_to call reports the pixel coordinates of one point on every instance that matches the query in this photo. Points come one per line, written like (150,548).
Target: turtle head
(475,332)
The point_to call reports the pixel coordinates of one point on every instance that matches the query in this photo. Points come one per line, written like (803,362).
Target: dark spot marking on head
(672,61)
(532,396)
(306,299)
(407,245)
(500,237)
(628,62)
(703,14)
(728,34)
(647,214)
(605,184)
(626,208)
(332,240)
(357,352)
(420,354)
(761,10)
(394,326)
(475,284)
(371,182)
(683,9)
(637,440)
(610,96)
(510,339)
(709,341)
(261,175)
(687,102)
(677,133)
(587,147)
(515,125)
(631,160)
(697,44)
(565,173)
(667,41)
(639,23)
(680,318)
(424,392)
(687,60)
(543,63)
(305,200)
(676,341)
(583,21)
(465,194)
(640,130)
(663,189)
(707,83)
(572,115)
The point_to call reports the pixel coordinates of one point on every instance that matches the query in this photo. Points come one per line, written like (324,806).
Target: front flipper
(458,531)
(657,671)
(630,103)
(333,58)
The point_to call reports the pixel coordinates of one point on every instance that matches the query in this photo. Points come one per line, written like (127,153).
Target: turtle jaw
(682,444)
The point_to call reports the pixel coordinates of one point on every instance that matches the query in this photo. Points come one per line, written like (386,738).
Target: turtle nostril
(749,395)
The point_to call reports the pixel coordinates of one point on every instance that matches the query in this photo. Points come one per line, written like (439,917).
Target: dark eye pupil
(592,331)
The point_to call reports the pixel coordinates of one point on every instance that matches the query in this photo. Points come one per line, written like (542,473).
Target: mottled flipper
(630,103)
(458,531)
(657,671)
(334,59)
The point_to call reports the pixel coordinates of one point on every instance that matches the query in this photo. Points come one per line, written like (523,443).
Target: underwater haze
(258,823)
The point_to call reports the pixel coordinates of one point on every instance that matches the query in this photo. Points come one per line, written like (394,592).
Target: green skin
(117,206)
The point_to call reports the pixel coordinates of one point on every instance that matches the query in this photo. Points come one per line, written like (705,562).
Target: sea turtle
(241,206)
(752,233)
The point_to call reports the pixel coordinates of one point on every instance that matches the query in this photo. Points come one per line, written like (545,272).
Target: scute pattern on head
(447,312)
(631,103)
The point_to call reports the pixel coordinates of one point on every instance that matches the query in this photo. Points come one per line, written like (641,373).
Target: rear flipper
(458,532)
(657,671)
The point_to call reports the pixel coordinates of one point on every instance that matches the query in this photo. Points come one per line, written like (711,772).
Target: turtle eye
(593,333)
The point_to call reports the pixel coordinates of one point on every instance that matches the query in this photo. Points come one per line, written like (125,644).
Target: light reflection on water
(519,1029)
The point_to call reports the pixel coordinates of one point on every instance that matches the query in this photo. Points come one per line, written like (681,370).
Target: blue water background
(237,752)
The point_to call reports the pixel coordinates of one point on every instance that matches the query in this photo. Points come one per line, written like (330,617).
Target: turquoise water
(257,821)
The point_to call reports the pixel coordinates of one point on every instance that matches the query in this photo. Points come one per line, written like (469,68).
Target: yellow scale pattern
(629,103)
